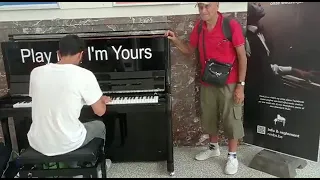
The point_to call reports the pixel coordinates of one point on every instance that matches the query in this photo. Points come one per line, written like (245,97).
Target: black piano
(134,70)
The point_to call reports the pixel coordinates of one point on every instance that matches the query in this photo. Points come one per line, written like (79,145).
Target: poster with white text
(283,78)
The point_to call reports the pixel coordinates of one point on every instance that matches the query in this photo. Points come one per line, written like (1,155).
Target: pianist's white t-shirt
(58,93)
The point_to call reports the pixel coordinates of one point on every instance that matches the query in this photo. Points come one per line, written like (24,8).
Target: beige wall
(77,10)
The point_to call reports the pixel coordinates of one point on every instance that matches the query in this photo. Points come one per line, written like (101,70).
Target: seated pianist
(58,93)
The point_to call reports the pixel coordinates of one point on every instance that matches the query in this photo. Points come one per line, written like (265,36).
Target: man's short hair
(70,45)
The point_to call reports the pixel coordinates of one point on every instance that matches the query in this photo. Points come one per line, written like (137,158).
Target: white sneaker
(108,165)
(207,154)
(78,176)
(231,166)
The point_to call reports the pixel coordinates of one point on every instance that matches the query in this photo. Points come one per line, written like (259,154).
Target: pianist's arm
(92,94)
(281,70)
(288,70)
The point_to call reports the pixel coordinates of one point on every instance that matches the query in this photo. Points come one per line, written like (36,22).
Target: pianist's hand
(106,99)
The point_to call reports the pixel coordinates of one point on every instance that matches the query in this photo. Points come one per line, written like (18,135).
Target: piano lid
(128,56)
(113,34)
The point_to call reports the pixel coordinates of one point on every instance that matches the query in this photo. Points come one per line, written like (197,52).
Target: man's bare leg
(232,163)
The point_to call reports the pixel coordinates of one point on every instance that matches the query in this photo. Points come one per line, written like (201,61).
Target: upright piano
(134,70)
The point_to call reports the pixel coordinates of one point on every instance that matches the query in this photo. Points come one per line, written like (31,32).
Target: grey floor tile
(187,167)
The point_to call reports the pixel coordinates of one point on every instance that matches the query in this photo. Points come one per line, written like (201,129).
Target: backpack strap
(226,28)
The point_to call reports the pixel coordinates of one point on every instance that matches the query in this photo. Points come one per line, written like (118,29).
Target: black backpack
(8,166)
(227,32)
(5,152)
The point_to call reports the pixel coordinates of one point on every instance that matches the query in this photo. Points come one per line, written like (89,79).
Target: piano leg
(170,160)
(22,126)
(123,127)
(170,163)
(125,124)
(6,132)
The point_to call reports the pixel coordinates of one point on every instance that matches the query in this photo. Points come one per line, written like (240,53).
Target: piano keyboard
(134,100)
(23,104)
(115,101)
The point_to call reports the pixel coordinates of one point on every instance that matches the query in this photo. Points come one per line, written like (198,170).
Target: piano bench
(32,162)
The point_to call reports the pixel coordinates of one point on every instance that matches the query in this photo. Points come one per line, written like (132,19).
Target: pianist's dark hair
(71,45)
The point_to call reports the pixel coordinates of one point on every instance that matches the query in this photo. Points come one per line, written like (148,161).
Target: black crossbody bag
(215,72)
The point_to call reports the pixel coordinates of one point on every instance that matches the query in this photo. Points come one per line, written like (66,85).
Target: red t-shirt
(218,47)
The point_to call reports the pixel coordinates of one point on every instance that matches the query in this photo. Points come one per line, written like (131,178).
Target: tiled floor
(187,167)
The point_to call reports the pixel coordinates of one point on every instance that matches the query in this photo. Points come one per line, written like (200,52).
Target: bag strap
(199,31)
(197,50)
(226,29)
(200,27)
(204,47)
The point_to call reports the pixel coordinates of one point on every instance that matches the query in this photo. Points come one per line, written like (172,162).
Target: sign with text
(93,54)
(283,78)
(101,55)
(142,3)
(27,5)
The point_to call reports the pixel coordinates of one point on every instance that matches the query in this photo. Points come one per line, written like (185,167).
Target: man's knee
(98,124)
(96,128)
(209,121)
(235,131)
(100,127)
(209,117)
(233,124)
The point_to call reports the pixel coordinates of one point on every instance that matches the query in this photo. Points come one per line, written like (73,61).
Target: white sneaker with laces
(207,154)
(231,166)
(108,165)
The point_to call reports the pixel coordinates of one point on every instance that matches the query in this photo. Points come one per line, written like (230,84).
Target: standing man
(219,103)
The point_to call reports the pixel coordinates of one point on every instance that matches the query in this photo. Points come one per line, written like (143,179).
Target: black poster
(283,78)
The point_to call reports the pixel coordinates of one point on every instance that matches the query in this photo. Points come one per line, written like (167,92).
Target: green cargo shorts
(217,103)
